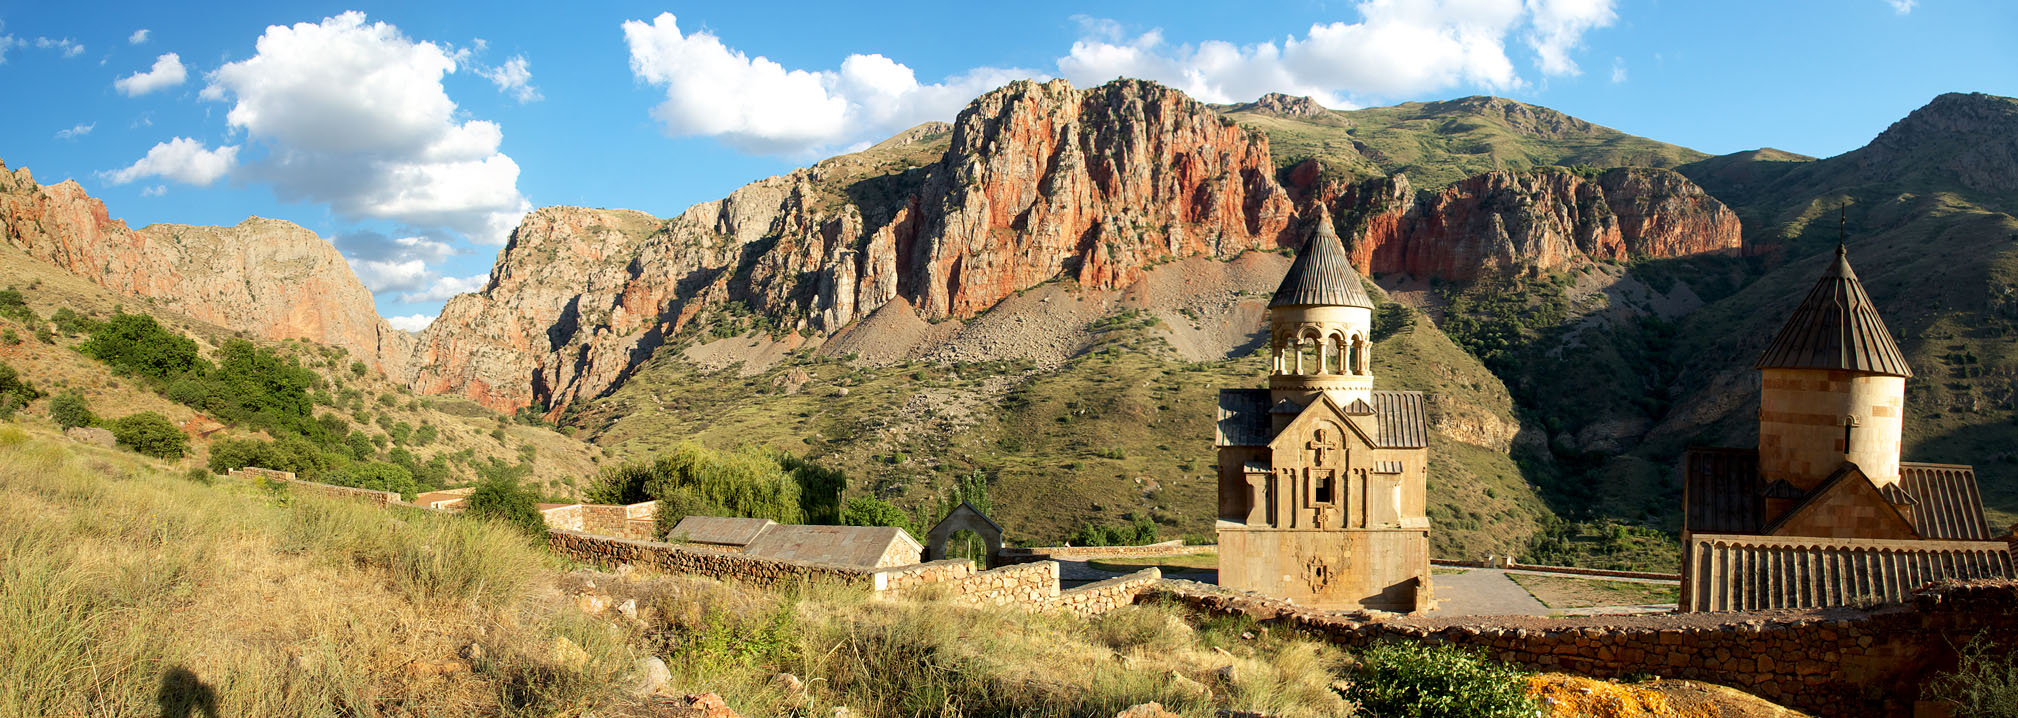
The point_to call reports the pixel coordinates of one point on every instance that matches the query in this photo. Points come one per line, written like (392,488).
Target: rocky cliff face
(268,277)
(1038,181)
(1543,220)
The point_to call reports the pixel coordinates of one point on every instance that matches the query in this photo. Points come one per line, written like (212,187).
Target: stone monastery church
(1823,512)
(1321,477)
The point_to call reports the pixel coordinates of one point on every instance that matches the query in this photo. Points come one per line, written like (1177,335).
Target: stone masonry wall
(380,499)
(1100,597)
(1027,554)
(1836,662)
(725,566)
(1028,583)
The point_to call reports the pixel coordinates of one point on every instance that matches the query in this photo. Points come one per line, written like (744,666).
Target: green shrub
(1423,681)
(694,481)
(137,344)
(871,511)
(13,307)
(14,393)
(69,409)
(504,501)
(71,323)
(289,454)
(1983,685)
(357,369)
(150,434)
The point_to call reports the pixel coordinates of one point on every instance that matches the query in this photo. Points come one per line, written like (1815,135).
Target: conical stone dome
(1323,274)
(1836,327)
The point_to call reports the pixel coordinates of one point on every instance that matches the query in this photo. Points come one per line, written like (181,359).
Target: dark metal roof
(1243,418)
(1836,328)
(1401,420)
(1387,467)
(721,530)
(845,545)
(1947,504)
(1322,274)
(1721,493)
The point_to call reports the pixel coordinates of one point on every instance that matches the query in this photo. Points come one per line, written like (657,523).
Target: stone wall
(697,561)
(1100,597)
(1835,662)
(380,499)
(1029,554)
(1029,583)
(1572,570)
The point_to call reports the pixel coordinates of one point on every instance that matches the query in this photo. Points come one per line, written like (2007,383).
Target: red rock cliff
(268,277)
(1038,181)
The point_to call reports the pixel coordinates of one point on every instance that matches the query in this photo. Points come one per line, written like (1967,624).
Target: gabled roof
(1848,480)
(721,530)
(844,545)
(1243,418)
(1836,327)
(1402,423)
(1322,273)
(1947,503)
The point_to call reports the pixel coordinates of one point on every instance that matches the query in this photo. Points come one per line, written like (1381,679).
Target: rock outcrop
(1037,182)
(1546,220)
(267,277)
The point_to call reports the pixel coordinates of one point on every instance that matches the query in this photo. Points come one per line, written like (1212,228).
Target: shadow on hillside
(183,695)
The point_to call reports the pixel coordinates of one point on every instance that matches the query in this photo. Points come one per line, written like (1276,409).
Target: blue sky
(413,135)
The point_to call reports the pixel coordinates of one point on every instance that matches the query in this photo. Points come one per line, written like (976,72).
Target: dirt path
(1483,592)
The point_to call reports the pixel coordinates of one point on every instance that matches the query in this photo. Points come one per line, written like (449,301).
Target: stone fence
(1031,585)
(1027,554)
(380,499)
(1833,662)
(1572,570)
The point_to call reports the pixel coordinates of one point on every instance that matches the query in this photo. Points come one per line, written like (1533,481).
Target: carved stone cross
(1320,445)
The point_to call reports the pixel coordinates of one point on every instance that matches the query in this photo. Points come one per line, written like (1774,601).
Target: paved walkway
(1475,592)
(1483,592)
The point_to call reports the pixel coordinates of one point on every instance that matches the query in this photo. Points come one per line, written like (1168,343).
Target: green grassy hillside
(1437,143)
(1121,431)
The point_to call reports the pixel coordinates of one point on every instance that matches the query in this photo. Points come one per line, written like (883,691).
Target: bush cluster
(151,434)
(14,393)
(1134,533)
(1425,681)
(694,481)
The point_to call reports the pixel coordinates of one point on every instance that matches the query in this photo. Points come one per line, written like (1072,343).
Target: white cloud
(66,46)
(181,159)
(138,36)
(515,78)
(445,287)
(757,105)
(76,131)
(355,116)
(1618,70)
(404,265)
(155,191)
(7,42)
(1903,6)
(167,72)
(1397,49)
(410,323)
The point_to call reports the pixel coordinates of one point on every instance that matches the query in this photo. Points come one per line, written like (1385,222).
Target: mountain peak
(1966,139)
(1281,105)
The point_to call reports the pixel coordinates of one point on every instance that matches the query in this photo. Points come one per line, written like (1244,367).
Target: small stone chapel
(1322,477)
(1824,512)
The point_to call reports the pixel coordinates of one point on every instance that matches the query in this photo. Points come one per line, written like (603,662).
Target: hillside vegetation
(128,589)
(289,405)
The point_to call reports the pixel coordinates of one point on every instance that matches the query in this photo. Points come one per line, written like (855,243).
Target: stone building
(864,546)
(1824,512)
(1321,477)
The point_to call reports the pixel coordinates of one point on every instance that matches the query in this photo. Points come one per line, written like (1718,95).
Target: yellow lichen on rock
(1563,696)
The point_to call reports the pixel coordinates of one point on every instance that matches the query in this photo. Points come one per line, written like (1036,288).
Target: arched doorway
(965,519)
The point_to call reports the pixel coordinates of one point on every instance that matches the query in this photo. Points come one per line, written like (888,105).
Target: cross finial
(1842,234)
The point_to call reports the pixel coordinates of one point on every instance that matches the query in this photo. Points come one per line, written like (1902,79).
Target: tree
(871,511)
(151,434)
(503,500)
(136,343)
(69,409)
(14,393)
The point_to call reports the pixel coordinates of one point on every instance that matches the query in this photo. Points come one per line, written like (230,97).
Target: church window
(1849,424)
(1307,355)
(1323,492)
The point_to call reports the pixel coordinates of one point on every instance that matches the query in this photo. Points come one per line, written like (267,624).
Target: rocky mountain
(271,278)
(1035,182)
